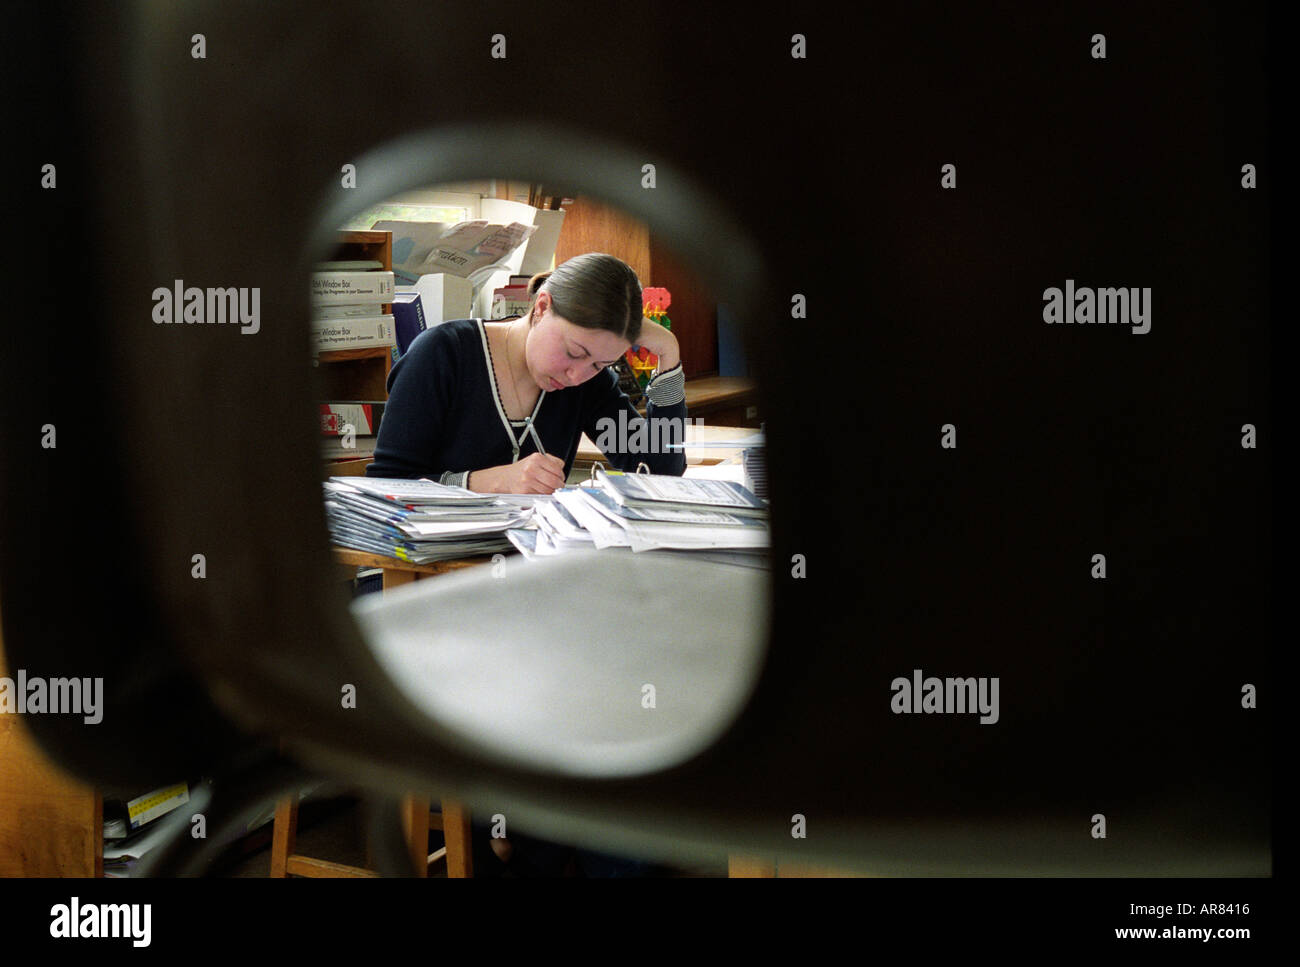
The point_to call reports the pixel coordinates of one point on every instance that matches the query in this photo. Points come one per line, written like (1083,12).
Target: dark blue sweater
(444,416)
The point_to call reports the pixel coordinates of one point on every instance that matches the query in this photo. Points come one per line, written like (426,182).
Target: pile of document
(754,460)
(718,520)
(418,520)
(753,457)
(123,855)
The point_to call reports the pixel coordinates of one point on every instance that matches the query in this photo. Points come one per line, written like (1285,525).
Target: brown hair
(594,291)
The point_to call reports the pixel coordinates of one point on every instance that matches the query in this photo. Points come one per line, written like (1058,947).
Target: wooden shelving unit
(357,374)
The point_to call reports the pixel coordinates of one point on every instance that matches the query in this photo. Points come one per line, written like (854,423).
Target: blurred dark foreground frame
(174,441)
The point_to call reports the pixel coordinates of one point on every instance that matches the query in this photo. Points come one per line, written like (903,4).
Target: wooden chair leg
(456,833)
(415,821)
(284,837)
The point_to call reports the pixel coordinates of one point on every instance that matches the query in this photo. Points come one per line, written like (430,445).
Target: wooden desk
(398,572)
(723,400)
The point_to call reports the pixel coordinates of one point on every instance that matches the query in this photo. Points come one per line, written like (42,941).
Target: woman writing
(500,407)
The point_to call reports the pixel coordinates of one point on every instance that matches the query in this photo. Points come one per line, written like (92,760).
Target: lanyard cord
(529,429)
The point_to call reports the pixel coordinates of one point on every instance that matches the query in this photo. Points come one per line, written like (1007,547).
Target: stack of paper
(644,512)
(753,458)
(417,520)
(755,463)
(132,829)
(122,856)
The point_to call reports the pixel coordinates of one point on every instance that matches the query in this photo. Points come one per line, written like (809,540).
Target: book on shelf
(349,431)
(364,418)
(351,287)
(347,310)
(408,319)
(348,265)
(348,448)
(509,301)
(329,334)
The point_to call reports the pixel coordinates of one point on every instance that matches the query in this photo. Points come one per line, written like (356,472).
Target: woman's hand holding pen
(661,342)
(537,473)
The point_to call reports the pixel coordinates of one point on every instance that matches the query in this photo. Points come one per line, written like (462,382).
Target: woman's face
(560,354)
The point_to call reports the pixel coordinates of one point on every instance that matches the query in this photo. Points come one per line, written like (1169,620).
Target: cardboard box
(444,297)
